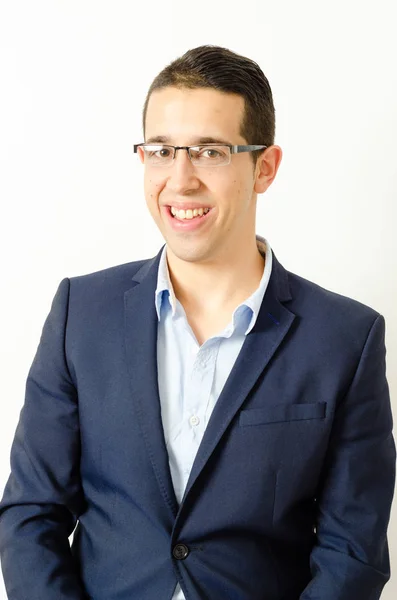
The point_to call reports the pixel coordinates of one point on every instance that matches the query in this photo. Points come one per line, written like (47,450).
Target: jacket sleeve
(350,559)
(43,497)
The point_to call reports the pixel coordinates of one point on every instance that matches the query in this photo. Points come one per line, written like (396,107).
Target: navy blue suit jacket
(290,493)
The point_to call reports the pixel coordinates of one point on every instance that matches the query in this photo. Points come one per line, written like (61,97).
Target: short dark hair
(221,69)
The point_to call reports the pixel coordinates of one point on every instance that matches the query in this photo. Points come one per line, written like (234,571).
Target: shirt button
(180,551)
(194,420)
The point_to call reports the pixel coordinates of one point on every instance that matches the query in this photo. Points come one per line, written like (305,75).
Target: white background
(73,79)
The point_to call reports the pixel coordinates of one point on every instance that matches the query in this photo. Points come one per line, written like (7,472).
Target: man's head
(210,92)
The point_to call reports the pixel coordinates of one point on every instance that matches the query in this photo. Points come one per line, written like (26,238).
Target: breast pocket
(278,413)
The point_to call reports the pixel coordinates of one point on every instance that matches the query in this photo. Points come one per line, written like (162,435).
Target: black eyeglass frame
(234,149)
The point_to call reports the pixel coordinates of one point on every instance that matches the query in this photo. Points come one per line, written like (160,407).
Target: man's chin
(190,253)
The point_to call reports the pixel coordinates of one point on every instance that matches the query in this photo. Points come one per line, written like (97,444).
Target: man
(217,426)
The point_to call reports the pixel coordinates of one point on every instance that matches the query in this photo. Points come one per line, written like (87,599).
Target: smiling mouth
(188,214)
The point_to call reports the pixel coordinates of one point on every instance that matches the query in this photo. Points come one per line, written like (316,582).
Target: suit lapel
(272,325)
(141,349)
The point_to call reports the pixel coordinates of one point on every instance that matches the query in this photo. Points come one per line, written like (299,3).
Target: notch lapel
(141,349)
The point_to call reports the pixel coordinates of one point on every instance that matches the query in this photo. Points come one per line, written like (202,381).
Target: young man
(217,426)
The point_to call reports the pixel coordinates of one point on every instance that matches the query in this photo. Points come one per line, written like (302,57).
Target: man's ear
(266,168)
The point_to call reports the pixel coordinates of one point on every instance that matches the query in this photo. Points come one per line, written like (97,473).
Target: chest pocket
(278,413)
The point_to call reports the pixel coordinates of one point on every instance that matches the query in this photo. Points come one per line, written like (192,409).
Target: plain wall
(73,79)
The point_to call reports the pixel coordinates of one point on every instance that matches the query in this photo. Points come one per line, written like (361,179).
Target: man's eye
(160,153)
(212,153)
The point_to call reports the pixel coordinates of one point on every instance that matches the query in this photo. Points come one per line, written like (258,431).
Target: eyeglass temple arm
(236,149)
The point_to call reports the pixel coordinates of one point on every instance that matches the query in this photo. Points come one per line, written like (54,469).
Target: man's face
(183,117)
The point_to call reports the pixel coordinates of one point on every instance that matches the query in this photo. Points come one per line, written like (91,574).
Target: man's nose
(182,171)
(182,158)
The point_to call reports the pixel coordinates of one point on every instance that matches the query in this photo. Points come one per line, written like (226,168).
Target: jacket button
(180,551)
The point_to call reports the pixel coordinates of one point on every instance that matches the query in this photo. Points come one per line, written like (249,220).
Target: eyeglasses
(208,155)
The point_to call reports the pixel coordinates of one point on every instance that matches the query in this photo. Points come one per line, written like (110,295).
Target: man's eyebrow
(162,139)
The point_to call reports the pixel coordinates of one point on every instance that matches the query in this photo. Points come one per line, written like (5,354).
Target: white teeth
(189,213)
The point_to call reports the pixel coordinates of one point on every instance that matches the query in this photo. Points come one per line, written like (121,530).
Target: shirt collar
(165,292)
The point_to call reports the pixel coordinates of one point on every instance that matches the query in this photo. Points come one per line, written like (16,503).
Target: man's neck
(207,289)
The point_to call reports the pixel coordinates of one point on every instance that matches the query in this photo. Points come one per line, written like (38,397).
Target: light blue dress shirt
(190,376)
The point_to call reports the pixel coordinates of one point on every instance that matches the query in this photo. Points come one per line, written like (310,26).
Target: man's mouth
(188,214)
(188,219)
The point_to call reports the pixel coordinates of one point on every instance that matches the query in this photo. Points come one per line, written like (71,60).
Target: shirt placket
(196,392)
